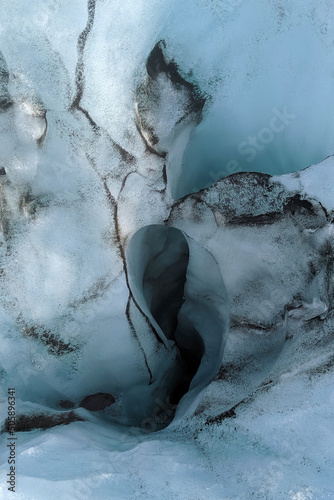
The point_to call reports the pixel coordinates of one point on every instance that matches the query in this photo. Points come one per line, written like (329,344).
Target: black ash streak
(134,333)
(80,81)
(80,69)
(223,416)
(26,423)
(53,344)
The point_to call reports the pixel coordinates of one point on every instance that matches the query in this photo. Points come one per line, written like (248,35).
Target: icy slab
(310,184)
(111,111)
(276,265)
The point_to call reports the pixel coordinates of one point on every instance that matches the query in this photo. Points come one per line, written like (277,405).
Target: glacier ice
(166,248)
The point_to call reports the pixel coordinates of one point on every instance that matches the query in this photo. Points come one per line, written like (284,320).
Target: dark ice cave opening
(176,284)
(165,275)
(163,283)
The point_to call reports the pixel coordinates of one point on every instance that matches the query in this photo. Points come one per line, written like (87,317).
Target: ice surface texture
(166,254)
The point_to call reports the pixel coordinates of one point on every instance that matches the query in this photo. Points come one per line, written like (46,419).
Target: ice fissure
(178,284)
